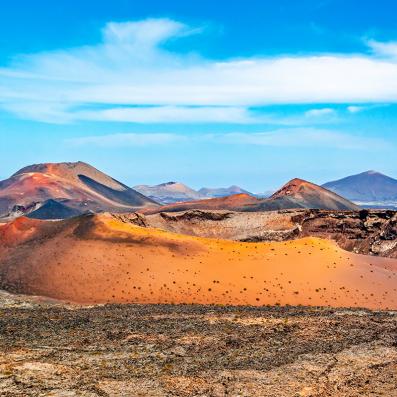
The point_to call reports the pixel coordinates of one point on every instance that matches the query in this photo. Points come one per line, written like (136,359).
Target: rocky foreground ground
(49,349)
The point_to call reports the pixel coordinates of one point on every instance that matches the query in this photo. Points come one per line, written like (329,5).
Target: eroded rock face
(239,226)
(365,232)
(372,232)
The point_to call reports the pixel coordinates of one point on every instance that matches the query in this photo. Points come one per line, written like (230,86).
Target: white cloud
(356,109)
(130,68)
(320,112)
(146,33)
(169,114)
(283,137)
(383,49)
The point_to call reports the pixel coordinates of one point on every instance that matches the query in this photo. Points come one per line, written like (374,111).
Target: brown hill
(78,185)
(308,195)
(98,258)
(235,202)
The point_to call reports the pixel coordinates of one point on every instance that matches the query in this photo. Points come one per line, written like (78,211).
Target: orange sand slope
(96,259)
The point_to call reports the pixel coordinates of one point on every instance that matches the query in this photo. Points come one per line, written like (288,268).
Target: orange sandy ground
(117,262)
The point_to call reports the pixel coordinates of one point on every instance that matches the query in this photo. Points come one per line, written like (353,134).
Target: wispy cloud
(362,108)
(128,139)
(387,50)
(283,137)
(304,137)
(170,114)
(320,112)
(130,76)
(356,109)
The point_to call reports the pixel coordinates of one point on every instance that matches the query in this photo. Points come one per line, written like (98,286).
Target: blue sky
(209,93)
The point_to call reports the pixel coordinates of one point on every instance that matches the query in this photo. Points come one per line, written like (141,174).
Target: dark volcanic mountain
(77,185)
(52,209)
(367,187)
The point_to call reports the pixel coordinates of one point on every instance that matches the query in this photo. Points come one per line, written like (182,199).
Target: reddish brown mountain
(76,185)
(299,193)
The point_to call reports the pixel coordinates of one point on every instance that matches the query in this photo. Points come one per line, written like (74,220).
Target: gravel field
(48,349)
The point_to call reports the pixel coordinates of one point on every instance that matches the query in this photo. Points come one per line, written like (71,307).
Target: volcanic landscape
(150,284)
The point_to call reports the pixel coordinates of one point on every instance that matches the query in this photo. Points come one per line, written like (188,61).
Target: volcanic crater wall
(370,232)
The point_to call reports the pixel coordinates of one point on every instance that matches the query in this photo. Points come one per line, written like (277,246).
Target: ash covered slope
(367,187)
(99,258)
(78,185)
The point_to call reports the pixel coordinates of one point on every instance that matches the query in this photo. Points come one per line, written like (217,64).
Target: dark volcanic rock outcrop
(367,232)
(52,209)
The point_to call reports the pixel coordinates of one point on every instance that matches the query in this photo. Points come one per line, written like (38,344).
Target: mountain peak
(169,192)
(80,184)
(170,183)
(368,187)
(54,167)
(310,195)
(372,172)
(297,181)
(292,187)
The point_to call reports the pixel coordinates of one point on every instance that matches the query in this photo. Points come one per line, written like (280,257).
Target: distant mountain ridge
(222,192)
(175,192)
(370,187)
(63,190)
(297,193)
(169,192)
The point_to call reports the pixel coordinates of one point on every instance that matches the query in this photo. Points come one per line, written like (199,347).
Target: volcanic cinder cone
(75,185)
